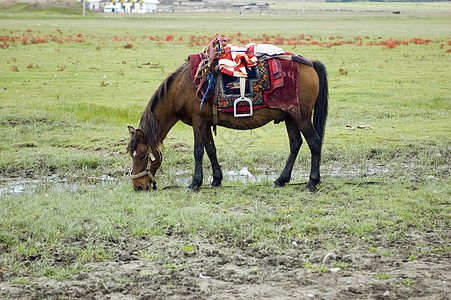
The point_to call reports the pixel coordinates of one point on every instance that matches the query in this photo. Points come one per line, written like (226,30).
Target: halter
(150,159)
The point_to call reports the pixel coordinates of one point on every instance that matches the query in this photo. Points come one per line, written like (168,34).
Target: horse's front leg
(199,145)
(211,152)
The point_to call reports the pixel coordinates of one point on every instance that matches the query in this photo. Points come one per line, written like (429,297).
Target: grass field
(71,226)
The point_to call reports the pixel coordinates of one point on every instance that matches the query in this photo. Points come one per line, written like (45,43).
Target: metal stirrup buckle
(242,99)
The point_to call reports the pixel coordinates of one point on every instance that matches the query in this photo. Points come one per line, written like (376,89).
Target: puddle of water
(353,171)
(245,177)
(28,185)
(183,178)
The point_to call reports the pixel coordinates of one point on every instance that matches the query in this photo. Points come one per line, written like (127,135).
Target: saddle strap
(215,102)
(280,56)
(288,56)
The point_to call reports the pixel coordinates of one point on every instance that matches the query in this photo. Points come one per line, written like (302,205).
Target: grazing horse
(175,100)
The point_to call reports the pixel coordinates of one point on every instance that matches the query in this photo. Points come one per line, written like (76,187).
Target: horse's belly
(260,117)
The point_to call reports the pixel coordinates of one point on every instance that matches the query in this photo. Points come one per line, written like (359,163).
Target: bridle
(150,159)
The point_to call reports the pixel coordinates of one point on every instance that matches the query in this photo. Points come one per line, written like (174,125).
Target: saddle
(240,79)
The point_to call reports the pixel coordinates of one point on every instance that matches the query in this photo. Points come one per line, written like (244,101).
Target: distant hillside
(47,6)
(44,4)
(387,1)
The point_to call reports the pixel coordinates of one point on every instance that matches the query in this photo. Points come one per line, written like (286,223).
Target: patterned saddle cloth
(271,83)
(258,84)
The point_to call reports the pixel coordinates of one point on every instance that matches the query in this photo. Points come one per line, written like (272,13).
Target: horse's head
(146,161)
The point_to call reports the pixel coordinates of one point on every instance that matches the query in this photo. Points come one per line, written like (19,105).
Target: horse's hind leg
(314,143)
(211,152)
(295,144)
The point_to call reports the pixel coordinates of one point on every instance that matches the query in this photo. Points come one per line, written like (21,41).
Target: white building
(130,6)
(122,6)
(93,5)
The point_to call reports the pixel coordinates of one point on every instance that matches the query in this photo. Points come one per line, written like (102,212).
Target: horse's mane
(148,123)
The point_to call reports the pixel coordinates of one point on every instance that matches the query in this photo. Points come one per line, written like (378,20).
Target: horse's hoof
(311,187)
(191,190)
(215,184)
(277,184)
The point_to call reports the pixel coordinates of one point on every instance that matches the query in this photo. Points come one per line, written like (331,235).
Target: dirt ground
(160,270)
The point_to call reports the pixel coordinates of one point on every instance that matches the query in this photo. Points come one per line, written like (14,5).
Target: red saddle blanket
(271,83)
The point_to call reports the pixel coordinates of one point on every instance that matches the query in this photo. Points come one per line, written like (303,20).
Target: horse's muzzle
(139,188)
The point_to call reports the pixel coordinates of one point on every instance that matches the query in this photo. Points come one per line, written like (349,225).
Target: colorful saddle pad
(258,84)
(272,83)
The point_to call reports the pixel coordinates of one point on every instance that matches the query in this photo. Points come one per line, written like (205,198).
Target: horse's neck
(164,109)
(165,117)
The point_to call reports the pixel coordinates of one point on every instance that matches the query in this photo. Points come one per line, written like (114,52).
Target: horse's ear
(131,130)
(140,135)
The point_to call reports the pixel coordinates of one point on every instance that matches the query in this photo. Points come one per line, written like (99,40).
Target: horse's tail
(320,110)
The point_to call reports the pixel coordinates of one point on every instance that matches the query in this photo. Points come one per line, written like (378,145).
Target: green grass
(24,8)
(364,6)
(37,225)
(66,109)
(382,276)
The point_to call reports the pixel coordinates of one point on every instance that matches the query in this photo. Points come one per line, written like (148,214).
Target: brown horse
(175,100)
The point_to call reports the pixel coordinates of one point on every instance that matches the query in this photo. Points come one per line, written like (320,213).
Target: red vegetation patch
(28,37)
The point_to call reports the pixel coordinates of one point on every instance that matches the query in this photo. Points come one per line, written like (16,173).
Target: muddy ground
(160,270)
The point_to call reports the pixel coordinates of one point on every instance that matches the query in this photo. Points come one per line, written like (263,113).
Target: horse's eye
(142,157)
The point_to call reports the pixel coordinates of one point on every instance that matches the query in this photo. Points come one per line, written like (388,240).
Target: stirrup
(242,99)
